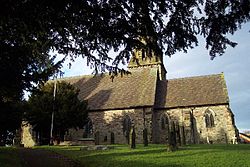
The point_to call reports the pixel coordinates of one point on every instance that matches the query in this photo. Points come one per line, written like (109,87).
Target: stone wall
(111,121)
(176,117)
(193,121)
(189,124)
(224,127)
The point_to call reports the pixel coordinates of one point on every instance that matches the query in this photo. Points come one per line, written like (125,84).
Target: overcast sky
(235,64)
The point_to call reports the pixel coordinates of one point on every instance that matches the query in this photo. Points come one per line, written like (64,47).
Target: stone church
(194,109)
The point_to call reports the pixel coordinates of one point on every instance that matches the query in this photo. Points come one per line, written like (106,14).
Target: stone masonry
(193,121)
(106,122)
(191,110)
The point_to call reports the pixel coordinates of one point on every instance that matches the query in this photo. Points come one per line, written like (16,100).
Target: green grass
(9,157)
(157,156)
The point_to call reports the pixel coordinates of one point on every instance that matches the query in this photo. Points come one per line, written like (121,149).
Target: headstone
(132,138)
(17,138)
(234,139)
(100,147)
(172,142)
(172,138)
(112,138)
(97,147)
(182,134)
(208,141)
(97,138)
(178,136)
(145,137)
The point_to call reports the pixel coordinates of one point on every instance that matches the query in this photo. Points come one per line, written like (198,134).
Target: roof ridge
(99,74)
(199,76)
(80,76)
(70,78)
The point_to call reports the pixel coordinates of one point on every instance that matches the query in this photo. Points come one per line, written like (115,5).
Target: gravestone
(178,136)
(97,138)
(112,138)
(132,138)
(172,138)
(145,137)
(182,134)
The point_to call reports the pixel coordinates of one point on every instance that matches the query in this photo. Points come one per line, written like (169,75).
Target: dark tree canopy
(11,115)
(69,111)
(29,29)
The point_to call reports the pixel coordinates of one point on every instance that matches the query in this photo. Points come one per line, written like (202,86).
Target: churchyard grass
(9,157)
(157,156)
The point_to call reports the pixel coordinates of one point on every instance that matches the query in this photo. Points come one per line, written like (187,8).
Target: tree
(24,59)
(69,111)
(92,28)
(30,29)
(11,114)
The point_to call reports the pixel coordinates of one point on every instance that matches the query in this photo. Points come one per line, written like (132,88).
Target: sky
(235,65)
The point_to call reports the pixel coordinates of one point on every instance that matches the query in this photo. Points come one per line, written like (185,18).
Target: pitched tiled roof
(193,91)
(132,90)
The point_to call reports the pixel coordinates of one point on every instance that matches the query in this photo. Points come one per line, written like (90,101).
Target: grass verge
(157,156)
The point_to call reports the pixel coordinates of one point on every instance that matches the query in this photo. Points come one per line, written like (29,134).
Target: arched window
(209,119)
(164,121)
(126,127)
(88,129)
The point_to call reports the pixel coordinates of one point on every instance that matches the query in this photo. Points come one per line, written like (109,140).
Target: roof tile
(132,90)
(192,91)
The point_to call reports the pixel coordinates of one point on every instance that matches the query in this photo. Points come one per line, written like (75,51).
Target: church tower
(147,58)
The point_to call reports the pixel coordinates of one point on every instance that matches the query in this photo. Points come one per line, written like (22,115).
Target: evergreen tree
(69,111)
(30,29)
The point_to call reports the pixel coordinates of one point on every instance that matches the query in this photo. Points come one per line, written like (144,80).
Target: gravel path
(44,158)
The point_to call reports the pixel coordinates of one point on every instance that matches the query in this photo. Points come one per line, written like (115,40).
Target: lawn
(153,155)
(157,156)
(9,157)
